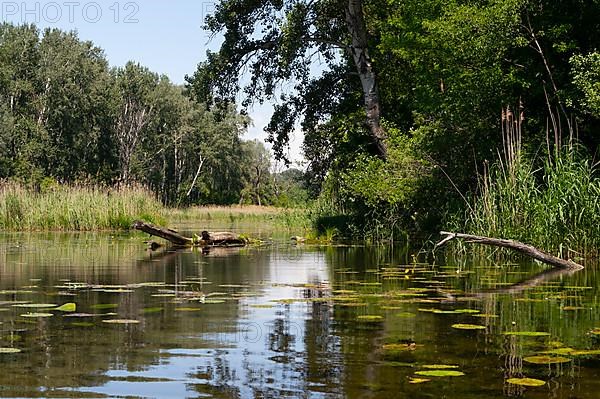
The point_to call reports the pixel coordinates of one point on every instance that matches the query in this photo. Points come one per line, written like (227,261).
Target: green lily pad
(527,333)
(188,309)
(37,315)
(418,380)
(120,321)
(592,352)
(103,306)
(370,318)
(468,311)
(35,305)
(468,327)
(546,359)
(8,351)
(527,382)
(405,315)
(67,307)
(85,324)
(440,373)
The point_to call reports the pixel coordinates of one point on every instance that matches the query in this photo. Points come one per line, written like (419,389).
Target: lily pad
(120,321)
(418,380)
(527,333)
(67,307)
(440,373)
(592,352)
(37,315)
(103,306)
(468,327)
(546,359)
(85,324)
(8,351)
(370,318)
(35,305)
(527,382)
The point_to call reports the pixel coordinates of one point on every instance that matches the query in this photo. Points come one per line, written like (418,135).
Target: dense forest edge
(479,116)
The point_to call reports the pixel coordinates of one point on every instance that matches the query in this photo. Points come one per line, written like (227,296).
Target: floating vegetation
(370,319)
(440,373)
(527,333)
(8,351)
(37,315)
(35,305)
(263,306)
(546,359)
(418,380)
(591,352)
(213,301)
(188,309)
(405,315)
(468,327)
(67,307)
(121,321)
(527,382)
(400,347)
(152,310)
(468,311)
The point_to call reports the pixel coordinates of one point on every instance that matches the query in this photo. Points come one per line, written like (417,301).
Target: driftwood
(515,245)
(206,238)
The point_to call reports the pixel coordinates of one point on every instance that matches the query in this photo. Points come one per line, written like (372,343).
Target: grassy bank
(290,218)
(75,208)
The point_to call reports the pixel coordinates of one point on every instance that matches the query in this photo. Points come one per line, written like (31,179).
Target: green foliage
(586,77)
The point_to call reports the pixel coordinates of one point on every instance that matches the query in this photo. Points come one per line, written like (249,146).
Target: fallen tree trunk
(526,249)
(205,239)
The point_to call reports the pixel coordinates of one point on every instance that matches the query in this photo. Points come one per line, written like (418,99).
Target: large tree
(299,51)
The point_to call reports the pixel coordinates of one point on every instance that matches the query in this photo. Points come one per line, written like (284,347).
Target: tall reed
(75,208)
(555,205)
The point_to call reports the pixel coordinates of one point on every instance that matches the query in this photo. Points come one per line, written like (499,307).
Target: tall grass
(554,205)
(75,208)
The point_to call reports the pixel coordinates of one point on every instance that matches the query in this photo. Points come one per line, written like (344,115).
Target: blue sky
(167,37)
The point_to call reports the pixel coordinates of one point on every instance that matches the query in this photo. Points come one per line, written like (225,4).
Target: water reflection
(284,321)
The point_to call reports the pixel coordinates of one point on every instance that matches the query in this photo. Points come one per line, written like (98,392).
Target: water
(285,321)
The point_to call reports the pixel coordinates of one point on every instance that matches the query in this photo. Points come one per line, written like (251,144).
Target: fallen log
(526,249)
(206,238)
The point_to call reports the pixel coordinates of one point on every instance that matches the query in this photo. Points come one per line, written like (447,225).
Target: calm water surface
(285,321)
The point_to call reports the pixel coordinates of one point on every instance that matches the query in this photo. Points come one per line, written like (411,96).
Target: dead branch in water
(526,249)
(206,238)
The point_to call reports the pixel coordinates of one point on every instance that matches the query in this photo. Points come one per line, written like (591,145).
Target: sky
(165,36)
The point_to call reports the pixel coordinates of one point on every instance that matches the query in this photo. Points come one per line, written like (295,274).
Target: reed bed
(76,208)
(553,203)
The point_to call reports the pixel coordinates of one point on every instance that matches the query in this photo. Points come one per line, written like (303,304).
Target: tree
(281,43)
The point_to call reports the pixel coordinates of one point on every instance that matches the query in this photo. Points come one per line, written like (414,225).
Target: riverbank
(83,208)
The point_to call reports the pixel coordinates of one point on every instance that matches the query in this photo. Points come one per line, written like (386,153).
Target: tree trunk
(515,245)
(206,239)
(360,54)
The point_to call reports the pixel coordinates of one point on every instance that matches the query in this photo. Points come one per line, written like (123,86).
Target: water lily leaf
(37,315)
(120,321)
(546,359)
(103,306)
(527,382)
(370,318)
(593,352)
(468,311)
(418,380)
(440,373)
(67,307)
(213,301)
(35,305)
(440,311)
(6,351)
(406,315)
(188,309)
(468,327)
(527,333)
(440,366)
(559,351)
(595,331)
(152,310)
